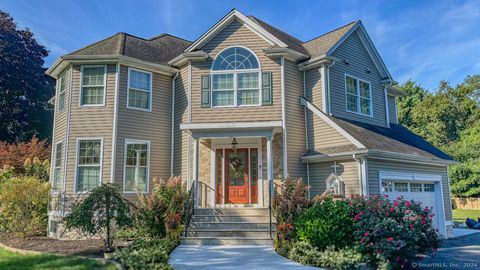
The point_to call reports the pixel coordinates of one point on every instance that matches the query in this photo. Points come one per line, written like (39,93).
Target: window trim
(358,95)
(235,80)
(136,89)
(77,152)
(134,141)
(55,165)
(80,98)
(60,92)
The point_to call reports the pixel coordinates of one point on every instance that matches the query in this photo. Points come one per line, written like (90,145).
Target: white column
(270,180)
(195,170)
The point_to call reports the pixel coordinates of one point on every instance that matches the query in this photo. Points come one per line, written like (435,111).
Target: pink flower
(390,239)
(423,221)
(357,217)
(371,243)
(407,204)
(392,209)
(360,213)
(411,226)
(386,195)
(395,203)
(407,211)
(362,240)
(365,234)
(399,197)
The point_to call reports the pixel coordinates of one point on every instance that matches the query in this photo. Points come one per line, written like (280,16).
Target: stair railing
(189,207)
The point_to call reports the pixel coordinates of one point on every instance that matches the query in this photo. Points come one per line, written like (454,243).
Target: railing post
(270,180)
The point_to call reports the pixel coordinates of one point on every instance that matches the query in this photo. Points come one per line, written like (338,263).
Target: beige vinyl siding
(375,166)
(392,109)
(93,121)
(154,126)
(60,130)
(321,134)
(319,173)
(355,53)
(295,120)
(236,34)
(181,116)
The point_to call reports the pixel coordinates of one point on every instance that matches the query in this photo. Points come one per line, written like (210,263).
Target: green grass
(16,261)
(460,215)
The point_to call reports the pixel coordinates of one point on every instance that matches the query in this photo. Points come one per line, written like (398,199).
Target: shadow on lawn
(15,261)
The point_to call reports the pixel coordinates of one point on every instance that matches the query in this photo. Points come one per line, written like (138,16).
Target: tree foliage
(16,154)
(449,118)
(99,211)
(24,87)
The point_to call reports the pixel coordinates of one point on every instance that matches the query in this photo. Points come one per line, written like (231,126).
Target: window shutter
(205,91)
(267,88)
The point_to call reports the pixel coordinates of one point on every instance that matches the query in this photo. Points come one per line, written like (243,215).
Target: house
(239,107)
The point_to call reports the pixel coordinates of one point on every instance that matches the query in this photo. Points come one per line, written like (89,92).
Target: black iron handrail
(189,207)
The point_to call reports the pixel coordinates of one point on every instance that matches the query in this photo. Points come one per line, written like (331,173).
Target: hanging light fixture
(234,146)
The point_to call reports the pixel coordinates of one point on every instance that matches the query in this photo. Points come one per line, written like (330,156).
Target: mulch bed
(89,248)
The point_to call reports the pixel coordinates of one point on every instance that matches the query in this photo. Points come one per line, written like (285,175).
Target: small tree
(99,211)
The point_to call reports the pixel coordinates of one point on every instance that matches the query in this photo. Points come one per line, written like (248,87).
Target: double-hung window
(139,89)
(89,164)
(235,78)
(57,168)
(358,96)
(62,92)
(136,166)
(93,85)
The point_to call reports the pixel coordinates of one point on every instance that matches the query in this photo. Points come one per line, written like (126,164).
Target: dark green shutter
(205,91)
(267,88)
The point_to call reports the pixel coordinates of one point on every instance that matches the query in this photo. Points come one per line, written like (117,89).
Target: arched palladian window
(236,78)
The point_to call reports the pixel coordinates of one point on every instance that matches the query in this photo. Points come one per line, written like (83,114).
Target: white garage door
(420,191)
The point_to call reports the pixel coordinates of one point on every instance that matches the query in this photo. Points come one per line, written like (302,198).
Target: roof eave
(183,58)
(317,61)
(65,60)
(285,52)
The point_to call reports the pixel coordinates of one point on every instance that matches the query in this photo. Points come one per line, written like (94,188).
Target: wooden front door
(236,176)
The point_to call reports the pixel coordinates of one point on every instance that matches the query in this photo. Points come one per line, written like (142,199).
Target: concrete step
(232,211)
(215,233)
(226,241)
(231,218)
(231,225)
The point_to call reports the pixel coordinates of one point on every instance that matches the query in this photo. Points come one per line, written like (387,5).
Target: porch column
(195,169)
(270,179)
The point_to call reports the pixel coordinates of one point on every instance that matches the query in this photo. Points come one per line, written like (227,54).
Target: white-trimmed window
(236,78)
(136,172)
(62,91)
(358,96)
(406,186)
(89,164)
(93,85)
(139,89)
(57,168)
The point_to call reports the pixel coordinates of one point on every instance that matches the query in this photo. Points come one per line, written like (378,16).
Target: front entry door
(236,176)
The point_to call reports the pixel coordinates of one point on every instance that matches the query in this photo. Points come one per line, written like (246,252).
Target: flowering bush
(392,233)
(326,223)
(289,205)
(161,211)
(15,154)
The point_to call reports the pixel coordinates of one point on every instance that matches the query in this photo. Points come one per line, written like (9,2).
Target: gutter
(184,58)
(317,61)
(173,123)
(285,52)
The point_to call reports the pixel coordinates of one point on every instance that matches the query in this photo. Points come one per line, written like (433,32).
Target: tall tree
(24,87)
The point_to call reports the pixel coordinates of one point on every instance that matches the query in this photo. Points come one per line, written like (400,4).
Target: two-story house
(241,106)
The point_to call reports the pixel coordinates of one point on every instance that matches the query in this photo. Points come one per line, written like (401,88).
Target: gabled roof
(159,49)
(322,44)
(397,139)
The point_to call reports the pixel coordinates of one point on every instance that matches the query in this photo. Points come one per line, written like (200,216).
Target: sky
(426,41)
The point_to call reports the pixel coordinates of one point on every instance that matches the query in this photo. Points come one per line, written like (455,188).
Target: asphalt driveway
(458,253)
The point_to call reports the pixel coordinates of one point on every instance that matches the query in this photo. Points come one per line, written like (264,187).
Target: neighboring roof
(322,44)
(331,150)
(397,139)
(159,49)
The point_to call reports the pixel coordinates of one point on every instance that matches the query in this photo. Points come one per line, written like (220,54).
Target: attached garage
(423,188)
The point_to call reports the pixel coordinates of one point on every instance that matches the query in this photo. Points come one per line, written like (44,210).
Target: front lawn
(460,215)
(16,261)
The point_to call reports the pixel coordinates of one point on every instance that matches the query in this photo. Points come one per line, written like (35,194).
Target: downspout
(67,136)
(306,132)
(360,174)
(173,123)
(387,109)
(284,126)
(115,124)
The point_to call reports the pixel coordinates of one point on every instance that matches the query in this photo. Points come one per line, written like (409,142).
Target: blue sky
(421,40)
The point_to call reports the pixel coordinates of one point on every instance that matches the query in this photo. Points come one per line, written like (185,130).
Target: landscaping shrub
(331,258)
(15,154)
(288,206)
(23,206)
(161,212)
(146,254)
(37,169)
(6,173)
(325,224)
(392,233)
(103,208)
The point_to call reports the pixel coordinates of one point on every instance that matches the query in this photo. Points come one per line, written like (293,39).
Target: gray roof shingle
(159,49)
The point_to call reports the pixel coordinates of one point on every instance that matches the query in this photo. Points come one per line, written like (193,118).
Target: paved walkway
(457,253)
(231,257)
